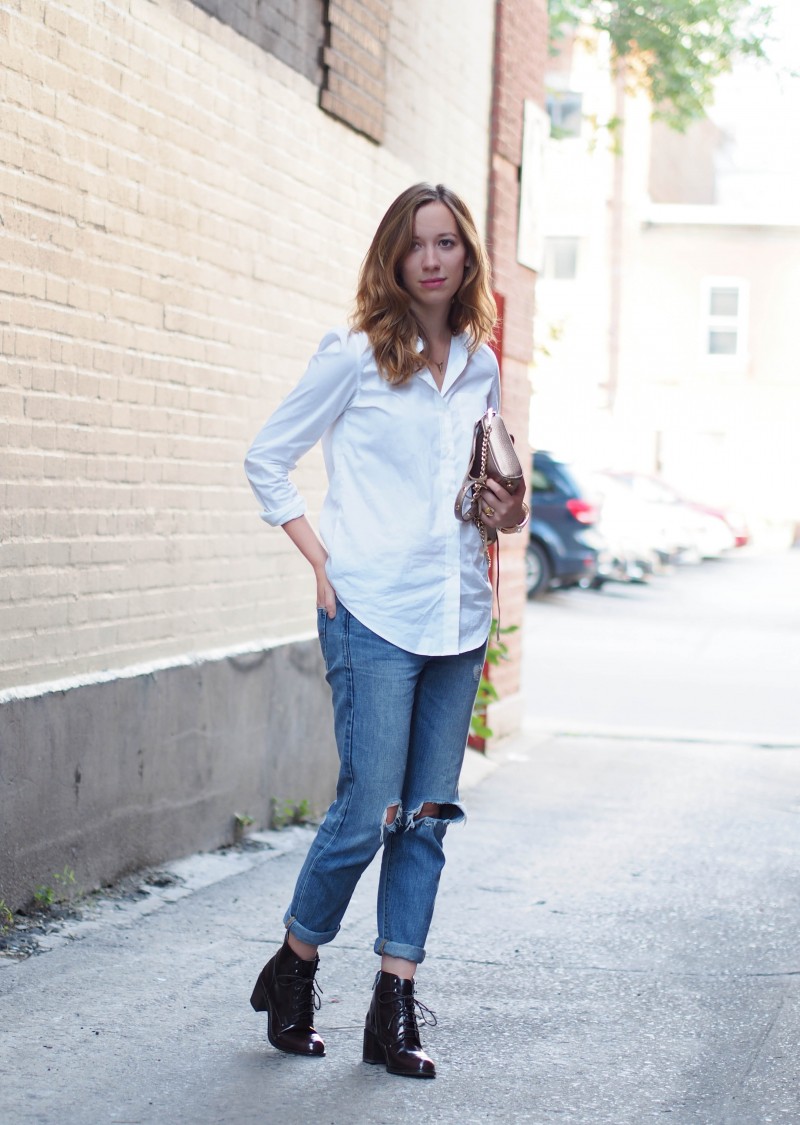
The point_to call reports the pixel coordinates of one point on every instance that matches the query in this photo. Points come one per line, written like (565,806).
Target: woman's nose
(430,258)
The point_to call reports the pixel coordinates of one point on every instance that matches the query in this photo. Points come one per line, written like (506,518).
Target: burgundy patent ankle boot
(391,1034)
(285,990)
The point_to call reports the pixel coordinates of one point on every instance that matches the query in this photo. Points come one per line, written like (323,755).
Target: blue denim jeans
(401,724)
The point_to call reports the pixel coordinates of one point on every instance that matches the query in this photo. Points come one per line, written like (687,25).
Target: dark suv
(564,544)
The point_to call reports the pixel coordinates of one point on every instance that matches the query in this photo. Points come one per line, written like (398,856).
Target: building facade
(665,308)
(186,191)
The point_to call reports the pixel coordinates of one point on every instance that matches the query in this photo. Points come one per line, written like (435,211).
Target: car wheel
(537,570)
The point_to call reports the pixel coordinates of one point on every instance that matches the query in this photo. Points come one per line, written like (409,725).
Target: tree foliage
(674,49)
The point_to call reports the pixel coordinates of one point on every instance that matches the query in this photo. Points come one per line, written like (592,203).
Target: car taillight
(582,510)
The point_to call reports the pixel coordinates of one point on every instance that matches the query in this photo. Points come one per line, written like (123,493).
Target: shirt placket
(449,484)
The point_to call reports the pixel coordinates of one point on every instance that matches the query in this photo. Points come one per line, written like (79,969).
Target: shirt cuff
(283,515)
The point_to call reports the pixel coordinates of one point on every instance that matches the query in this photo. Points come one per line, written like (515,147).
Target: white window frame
(738,323)
(530,230)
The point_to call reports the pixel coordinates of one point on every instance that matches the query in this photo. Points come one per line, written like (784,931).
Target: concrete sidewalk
(616,941)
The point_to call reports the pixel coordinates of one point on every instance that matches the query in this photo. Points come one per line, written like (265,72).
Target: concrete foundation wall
(103,778)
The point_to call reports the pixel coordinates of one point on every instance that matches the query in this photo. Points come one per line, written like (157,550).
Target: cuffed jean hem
(413,953)
(310,937)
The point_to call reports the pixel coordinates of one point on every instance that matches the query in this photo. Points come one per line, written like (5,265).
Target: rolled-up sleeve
(329,385)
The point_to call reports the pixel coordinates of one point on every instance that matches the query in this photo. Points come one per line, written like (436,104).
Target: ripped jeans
(401,724)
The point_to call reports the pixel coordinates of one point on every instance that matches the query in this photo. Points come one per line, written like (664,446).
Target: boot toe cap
(306,1043)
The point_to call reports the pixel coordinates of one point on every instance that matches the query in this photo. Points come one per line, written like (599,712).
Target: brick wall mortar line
(265,318)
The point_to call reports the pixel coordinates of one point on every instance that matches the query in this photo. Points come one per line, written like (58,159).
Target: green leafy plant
(496,651)
(241,822)
(45,895)
(286,812)
(6,917)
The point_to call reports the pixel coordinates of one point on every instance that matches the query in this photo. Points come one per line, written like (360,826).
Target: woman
(404,602)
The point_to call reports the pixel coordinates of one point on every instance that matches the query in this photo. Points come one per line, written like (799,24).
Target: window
(560,258)
(292,30)
(539,482)
(340,45)
(565,108)
(725,317)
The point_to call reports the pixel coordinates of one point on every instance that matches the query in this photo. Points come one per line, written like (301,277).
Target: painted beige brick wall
(179,223)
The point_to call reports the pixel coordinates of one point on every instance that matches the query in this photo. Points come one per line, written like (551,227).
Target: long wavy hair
(383,307)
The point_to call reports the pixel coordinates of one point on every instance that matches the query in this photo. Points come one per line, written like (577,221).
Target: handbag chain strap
(477,489)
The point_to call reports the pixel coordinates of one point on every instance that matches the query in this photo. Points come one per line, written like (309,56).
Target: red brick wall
(520,62)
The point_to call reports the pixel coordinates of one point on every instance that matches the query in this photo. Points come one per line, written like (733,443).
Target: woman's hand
(305,539)
(500,508)
(326,595)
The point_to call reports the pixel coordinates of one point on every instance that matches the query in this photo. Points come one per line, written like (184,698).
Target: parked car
(689,531)
(634,543)
(564,543)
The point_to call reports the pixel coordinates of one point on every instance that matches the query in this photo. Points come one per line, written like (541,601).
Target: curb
(542,729)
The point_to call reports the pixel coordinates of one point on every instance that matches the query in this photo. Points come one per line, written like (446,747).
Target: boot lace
(306,994)
(408,1016)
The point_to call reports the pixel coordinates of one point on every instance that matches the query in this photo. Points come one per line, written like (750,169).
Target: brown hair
(382,306)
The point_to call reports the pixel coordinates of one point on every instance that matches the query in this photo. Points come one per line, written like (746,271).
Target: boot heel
(259,997)
(373,1052)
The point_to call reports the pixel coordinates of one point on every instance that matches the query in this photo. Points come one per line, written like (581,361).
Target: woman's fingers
(326,598)
(499,508)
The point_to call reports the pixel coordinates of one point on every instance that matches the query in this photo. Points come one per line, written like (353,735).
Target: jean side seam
(346,761)
(387,878)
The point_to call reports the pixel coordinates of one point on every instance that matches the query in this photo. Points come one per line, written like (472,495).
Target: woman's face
(433,269)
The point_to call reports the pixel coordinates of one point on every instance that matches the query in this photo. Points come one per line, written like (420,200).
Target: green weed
(487,693)
(46,895)
(241,822)
(289,812)
(6,917)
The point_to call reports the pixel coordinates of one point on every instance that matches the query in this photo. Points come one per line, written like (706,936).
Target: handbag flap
(502,462)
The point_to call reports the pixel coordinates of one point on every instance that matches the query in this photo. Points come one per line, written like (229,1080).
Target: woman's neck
(435,330)
(436,349)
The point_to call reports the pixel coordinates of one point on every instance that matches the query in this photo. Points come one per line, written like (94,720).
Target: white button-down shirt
(399,559)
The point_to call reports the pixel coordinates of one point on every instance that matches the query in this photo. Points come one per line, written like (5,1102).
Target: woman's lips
(433,282)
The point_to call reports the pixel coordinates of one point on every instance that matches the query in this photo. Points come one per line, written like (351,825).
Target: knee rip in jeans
(395,820)
(392,819)
(447,811)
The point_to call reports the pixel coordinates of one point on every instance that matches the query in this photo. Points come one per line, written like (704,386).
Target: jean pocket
(322,626)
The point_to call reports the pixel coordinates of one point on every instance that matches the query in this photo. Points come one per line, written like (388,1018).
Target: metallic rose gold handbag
(493,456)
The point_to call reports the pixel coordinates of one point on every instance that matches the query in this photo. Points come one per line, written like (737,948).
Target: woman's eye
(448,243)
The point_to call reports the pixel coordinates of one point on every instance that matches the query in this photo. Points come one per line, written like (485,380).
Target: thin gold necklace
(441,365)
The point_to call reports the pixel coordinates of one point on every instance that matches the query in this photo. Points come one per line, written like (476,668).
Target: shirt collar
(456,362)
